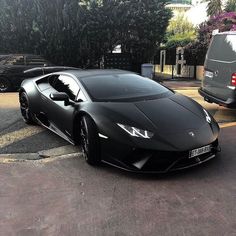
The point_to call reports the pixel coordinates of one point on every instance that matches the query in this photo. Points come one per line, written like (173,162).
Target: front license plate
(199,151)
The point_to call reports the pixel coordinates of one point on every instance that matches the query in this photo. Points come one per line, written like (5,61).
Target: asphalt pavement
(65,196)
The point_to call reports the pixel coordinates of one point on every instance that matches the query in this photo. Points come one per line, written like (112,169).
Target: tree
(180,32)
(144,28)
(214,7)
(79,32)
(230,5)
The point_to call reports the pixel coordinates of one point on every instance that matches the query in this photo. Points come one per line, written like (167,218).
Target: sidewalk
(182,84)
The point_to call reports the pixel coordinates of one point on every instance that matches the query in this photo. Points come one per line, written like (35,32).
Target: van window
(223,48)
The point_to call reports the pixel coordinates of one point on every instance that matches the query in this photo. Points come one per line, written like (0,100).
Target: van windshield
(223,48)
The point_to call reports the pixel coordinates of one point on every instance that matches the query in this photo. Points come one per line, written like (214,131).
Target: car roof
(50,67)
(21,54)
(95,72)
(227,32)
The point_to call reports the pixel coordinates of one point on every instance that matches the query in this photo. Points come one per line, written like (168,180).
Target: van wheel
(5,85)
(90,141)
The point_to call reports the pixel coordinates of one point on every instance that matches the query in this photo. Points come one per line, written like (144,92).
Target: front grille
(183,163)
(163,161)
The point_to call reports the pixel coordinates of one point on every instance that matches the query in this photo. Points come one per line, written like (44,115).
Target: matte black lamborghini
(122,119)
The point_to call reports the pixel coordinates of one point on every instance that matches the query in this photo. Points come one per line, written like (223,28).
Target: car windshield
(3,59)
(223,48)
(122,87)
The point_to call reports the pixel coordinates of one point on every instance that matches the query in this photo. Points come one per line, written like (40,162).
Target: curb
(183,88)
(62,152)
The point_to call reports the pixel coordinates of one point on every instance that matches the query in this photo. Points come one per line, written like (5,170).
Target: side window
(81,96)
(66,84)
(52,80)
(16,60)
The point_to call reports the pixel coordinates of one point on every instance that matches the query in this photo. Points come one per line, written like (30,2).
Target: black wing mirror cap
(59,96)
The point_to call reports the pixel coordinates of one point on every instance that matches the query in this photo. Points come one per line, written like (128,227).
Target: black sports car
(122,119)
(14,68)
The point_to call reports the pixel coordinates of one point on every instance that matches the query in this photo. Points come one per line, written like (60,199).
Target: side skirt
(55,130)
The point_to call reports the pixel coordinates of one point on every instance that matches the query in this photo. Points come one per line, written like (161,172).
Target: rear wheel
(5,85)
(25,111)
(90,141)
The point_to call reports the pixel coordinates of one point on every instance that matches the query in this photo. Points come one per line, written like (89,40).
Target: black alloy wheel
(25,111)
(90,141)
(5,85)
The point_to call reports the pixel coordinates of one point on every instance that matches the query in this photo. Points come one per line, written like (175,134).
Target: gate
(117,61)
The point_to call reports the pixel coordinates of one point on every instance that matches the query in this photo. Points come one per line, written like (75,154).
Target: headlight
(208,118)
(135,132)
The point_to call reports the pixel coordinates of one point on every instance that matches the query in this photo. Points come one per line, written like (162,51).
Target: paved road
(16,136)
(62,195)
(65,196)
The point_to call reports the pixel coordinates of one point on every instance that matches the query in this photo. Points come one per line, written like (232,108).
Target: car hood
(171,119)
(171,115)
(168,115)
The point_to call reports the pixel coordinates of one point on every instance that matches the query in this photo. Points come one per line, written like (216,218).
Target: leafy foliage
(230,5)
(78,33)
(180,32)
(179,41)
(214,7)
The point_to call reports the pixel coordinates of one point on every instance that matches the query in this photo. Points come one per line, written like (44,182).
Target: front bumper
(155,161)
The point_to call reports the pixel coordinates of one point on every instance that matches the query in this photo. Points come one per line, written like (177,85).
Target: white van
(219,83)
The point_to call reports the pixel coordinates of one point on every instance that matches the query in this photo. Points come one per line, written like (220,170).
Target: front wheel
(90,141)
(25,110)
(5,85)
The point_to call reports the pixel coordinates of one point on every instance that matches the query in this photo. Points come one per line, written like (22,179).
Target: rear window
(3,59)
(36,60)
(124,87)
(223,48)
(10,60)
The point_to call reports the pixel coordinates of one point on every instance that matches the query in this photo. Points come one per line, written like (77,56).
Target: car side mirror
(61,97)
(79,100)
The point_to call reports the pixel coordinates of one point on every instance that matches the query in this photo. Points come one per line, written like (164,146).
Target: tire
(25,110)
(90,141)
(5,85)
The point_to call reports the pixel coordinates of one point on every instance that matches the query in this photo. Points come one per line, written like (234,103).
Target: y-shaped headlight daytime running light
(208,118)
(135,132)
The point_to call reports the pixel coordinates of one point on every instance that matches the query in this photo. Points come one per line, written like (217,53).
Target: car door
(61,116)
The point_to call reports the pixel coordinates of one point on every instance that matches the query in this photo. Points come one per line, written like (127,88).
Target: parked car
(122,119)
(15,68)
(37,71)
(219,83)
